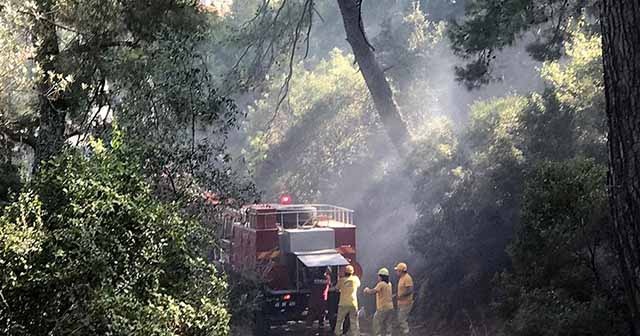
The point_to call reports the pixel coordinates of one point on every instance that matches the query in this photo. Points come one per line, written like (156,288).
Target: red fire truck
(287,246)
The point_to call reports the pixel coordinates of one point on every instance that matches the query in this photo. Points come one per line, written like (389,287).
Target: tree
(287,27)
(467,190)
(319,138)
(470,192)
(621,45)
(327,131)
(372,72)
(142,65)
(88,249)
(563,264)
(53,104)
(488,26)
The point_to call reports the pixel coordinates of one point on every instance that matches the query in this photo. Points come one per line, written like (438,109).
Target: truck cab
(290,248)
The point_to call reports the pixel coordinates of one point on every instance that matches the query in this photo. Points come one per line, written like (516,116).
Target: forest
(492,145)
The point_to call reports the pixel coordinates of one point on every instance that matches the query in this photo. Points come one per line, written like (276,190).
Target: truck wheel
(261,325)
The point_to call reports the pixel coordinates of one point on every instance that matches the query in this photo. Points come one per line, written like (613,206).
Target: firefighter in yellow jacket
(404,297)
(383,318)
(348,304)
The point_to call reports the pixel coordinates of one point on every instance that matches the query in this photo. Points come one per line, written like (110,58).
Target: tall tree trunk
(51,105)
(373,74)
(621,46)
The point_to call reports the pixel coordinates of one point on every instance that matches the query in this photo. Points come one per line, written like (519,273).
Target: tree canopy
(485,142)
(87,249)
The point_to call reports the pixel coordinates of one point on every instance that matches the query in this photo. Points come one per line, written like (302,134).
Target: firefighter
(383,317)
(404,296)
(348,302)
(319,296)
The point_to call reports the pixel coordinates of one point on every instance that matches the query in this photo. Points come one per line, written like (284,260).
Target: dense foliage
(322,129)
(112,240)
(562,280)
(142,65)
(325,135)
(87,250)
(489,26)
(110,234)
(475,194)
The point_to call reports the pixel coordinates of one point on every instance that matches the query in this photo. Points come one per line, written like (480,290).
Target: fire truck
(288,246)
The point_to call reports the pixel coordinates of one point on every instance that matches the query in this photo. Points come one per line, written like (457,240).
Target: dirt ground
(301,329)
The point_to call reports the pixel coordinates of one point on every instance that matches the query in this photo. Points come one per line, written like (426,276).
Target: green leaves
(491,25)
(317,136)
(528,168)
(559,284)
(88,248)
(21,239)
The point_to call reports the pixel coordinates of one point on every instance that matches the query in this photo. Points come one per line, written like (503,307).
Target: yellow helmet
(402,267)
(349,269)
(383,271)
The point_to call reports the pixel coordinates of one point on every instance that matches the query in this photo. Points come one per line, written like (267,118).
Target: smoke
(382,193)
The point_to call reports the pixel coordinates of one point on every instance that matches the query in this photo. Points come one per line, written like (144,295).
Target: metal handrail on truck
(321,212)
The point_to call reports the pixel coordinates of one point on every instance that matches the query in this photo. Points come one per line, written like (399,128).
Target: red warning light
(285,199)
(286,297)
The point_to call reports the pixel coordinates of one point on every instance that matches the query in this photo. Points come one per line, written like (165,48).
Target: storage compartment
(304,240)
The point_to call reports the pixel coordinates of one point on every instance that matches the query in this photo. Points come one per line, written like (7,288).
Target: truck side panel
(266,240)
(345,236)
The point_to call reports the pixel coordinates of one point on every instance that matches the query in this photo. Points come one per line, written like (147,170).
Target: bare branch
(317,13)
(284,89)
